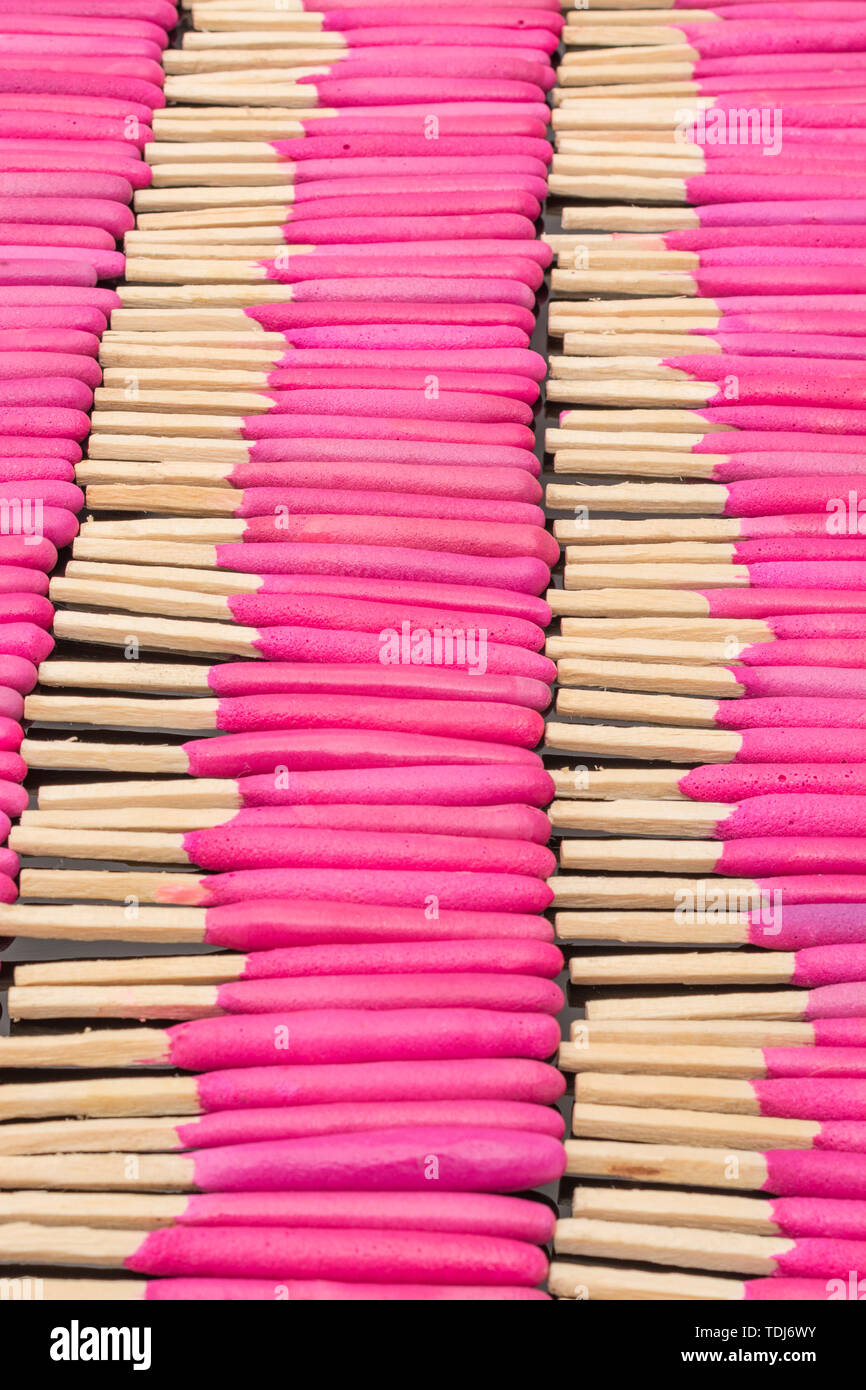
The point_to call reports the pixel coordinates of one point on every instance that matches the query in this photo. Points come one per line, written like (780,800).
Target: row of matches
(321,352)
(709,273)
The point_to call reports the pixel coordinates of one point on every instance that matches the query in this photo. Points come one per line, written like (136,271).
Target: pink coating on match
(818,1217)
(530,957)
(523,574)
(251,678)
(783,1062)
(471,409)
(793,712)
(489,538)
(237,755)
(259,926)
(749,467)
(279,318)
(821,1258)
(52,364)
(407,785)
(467,1078)
(808,1098)
(776,497)
(502,723)
(338,450)
(21,468)
(11,703)
(312,610)
(13,799)
(801,928)
(27,552)
(503,822)
(12,767)
(306,1121)
(458,889)
(822,682)
(280,1252)
(839,1032)
(11,735)
(814,888)
(830,965)
(27,641)
(384,145)
(814,745)
(458,990)
(774,602)
(815,1173)
(343,1036)
(773,1290)
(779,855)
(15,579)
(838,1000)
(259,502)
(26,608)
(397,1160)
(333,1291)
(8,886)
(381,423)
(9,865)
(476,1213)
(457,484)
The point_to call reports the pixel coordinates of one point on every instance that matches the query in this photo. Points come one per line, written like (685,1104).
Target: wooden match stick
(728,1251)
(709,1211)
(782,1004)
(712,681)
(613,704)
(653,745)
(705,968)
(699,1128)
(652,1059)
(709,1032)
(661,928)
(637,892)
(730,1097)
(568,1279)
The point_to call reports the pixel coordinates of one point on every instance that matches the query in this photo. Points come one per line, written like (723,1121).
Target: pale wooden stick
(634,891)
(568,1279)
(715,681)
(670,1163)
(200,581)
(111,1211)
(701,1033)
(705,968)
(709,1211)
(124,675)
(692,820)
(22,1244)
(83,922)
(156,1135)
(181,794)
(732,1252)
(660,499)
(690,630)
(669,1092)
(135,846)
(102,1096)
(156,634)
(639,856)
(703,1129)
(734,1063)
(214,968)
(605,783)
(650,928)
(111,1047)
(661,709)
(655,745)
(782,1004)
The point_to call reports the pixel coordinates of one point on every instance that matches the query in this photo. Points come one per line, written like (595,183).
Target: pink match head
(23,469)
(830,965)
(480,720)
(523,574)
(12,767)
(469,1160)
(11,704)
(791,713)
(26,608)
(280,318)
(814,1061)
(801,928)
(238,755)
(259,926)
(307,1121)
(502,822)
(781,855)
(16,580)
(479,1078)
(815,1173)
(804,682)
(527,957)
(13,799)
(333,1291)
(813,745)
(839,1032)
(429,785)
(343,1036)
(8,886)
(9,865)
(26,641)
(807,1098)
(456,889)
(438,990)
(843,1000)
(815,1258)
(735,782)
(476,1213)
(775,1290)
(16,672)
(253,678)
(819,1217)
(280,1252)
(11,734)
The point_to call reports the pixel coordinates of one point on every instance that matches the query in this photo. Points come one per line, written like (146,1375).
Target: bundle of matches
(347,468)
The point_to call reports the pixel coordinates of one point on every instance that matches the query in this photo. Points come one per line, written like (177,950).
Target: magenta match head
(343,1036)
(15,579)
(25,640)
(306,1121)
(28,553)
(445,990)
(13,799)
(332,1291)
(280,1252)
(432,785)
(479,1078)
(11,734)
(523,957)
(262,925)
(514,1218)
(11,704)
(26,608)
(8,886)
